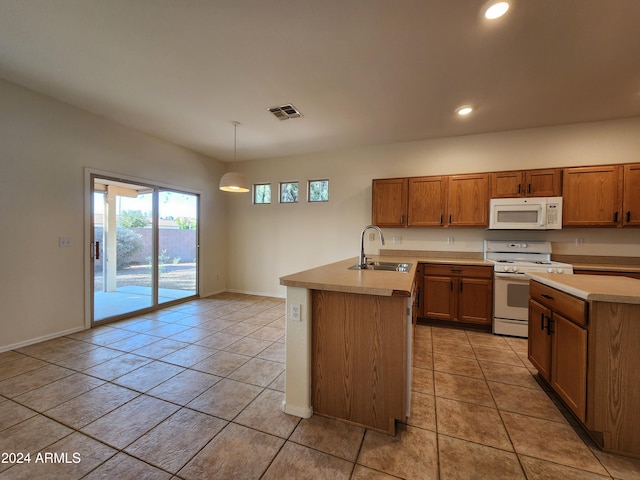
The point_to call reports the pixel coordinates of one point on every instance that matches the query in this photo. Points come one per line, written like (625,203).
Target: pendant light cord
(235,140)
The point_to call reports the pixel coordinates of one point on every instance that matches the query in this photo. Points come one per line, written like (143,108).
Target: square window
(318,190)
(262,193)
(289,192)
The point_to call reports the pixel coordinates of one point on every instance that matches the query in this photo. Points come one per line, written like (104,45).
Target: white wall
(45,146)
(268,241)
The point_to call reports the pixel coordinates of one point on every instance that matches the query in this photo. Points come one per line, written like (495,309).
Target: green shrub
(128,244)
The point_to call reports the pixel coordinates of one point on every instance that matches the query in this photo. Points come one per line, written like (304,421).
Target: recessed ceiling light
(496,10)
(464,110)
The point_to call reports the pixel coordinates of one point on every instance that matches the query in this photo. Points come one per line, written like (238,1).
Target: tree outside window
(262,193)
(318,190)
(289,192)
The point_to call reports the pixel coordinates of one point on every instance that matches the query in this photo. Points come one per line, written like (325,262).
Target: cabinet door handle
(549,322)
(615,217)
(441,218)
(628,216)
(450,216)
(461,282)
(546,296)
(452,285)
(529,188)
(519,188)
(402,219)
(542,321)
(456,270)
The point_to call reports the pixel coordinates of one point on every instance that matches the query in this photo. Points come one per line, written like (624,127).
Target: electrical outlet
(295,312)
(397,239)
(450,240)
(372,237)
(64,241)
(579,242)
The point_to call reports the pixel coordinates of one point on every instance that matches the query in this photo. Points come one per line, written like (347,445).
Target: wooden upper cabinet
(527,183)
(592,196)
(468,200)
(631,204)
(427,201)
(506,184)
(389,202)
(543,183)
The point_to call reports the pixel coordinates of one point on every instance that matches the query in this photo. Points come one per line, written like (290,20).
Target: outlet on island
(295,312)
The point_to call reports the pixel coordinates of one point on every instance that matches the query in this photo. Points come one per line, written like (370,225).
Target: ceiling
(361,72)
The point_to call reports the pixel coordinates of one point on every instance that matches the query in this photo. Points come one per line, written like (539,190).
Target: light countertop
(338,278)
(601,288)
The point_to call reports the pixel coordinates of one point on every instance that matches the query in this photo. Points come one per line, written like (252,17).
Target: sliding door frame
(90,175)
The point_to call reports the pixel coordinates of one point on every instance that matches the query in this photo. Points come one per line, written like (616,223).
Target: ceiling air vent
(285,112)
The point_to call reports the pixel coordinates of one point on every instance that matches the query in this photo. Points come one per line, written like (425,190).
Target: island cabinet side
(613,396)
(359,355)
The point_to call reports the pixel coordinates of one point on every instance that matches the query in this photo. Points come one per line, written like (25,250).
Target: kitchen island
(584,339)
(348,343)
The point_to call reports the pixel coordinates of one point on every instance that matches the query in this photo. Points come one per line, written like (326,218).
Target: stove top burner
(523,257)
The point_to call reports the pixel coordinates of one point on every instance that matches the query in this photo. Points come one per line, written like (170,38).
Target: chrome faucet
(362,260)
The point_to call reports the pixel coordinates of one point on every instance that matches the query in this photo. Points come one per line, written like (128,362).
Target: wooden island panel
(359,356)
(614,360)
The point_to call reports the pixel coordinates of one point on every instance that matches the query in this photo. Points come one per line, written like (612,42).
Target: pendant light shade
(234,181)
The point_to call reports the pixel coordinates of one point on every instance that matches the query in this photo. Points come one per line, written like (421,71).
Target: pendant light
(234,181)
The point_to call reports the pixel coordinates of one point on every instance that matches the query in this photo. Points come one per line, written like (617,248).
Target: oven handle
(523,277)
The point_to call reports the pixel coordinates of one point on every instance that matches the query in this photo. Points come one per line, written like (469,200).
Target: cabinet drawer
(572,307)
(449,270)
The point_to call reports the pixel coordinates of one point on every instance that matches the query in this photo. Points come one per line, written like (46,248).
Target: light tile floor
(194,392)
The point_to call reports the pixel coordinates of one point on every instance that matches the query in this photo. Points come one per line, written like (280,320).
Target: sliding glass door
(144,247)
(177,245)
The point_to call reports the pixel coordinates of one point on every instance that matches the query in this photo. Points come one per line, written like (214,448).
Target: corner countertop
(338,278)
(598,288)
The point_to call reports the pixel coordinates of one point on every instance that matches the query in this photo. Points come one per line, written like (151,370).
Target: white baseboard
(302,412)
(210,294)
(43,338)
(258,294)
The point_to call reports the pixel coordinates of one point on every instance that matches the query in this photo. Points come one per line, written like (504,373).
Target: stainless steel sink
(385,266)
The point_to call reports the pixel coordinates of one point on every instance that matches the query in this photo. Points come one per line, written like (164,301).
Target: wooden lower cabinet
(539,339)
(569,363)
(588,353)
(558,343)
(439,297)
(359,358)
(458,293)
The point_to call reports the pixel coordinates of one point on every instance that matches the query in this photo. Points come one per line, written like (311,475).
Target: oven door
(511,296)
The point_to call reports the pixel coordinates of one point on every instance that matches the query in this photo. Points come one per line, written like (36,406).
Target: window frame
(280,198)
(253,195)
(309,182)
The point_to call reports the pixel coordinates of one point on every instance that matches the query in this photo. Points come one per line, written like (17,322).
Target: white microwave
(532,213)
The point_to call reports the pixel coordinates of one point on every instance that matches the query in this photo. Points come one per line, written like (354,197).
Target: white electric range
(513,260)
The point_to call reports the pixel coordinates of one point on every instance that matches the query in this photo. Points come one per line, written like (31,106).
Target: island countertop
(601,288)
(338,278)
